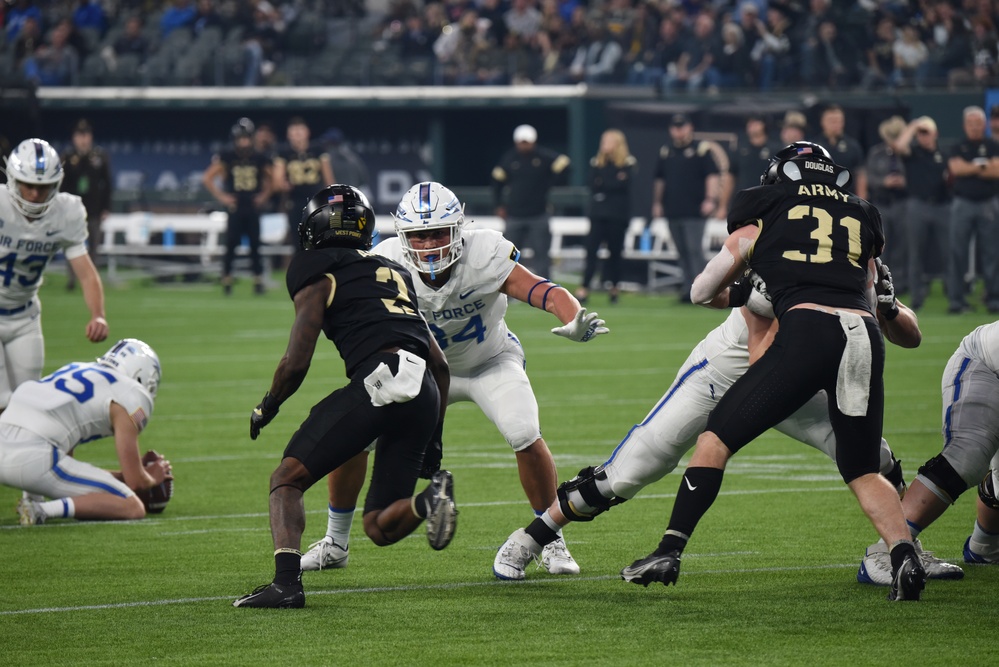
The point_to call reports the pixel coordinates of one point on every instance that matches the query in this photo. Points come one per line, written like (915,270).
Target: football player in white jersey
(37,222)
(465,277)
(970,392)
(81,402)
(653,448)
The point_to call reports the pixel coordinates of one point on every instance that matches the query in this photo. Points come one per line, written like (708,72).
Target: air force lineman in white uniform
(970,393)
(81,402)
(653,448)
(466,277)
(37,222)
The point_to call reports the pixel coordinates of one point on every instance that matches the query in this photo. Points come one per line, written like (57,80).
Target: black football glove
(433,454)
(263,414)
(885,290)
(738,293)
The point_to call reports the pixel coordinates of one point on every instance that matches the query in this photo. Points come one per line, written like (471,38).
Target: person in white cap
(522,181)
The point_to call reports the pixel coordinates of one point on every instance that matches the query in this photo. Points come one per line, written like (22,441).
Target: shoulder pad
(482,246)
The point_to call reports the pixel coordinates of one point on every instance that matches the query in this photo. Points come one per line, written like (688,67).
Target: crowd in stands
(671,45)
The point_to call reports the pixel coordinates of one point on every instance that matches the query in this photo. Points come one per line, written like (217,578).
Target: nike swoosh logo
(411,362)
(52,233)
(465,295)
(689,485)
(853,327)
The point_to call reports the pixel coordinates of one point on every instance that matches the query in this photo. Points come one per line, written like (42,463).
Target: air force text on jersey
(460,312)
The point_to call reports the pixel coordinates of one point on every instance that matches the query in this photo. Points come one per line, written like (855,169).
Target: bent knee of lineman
(373,531)
(987,491)
(940,477)
(580,498)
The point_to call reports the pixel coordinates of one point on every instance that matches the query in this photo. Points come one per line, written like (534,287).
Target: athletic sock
(338,524)
(899,551)
(541,533)
(982,536)
(914,529)
(698,490)
(287,567)
(421,502)
(549,521)
(60,508)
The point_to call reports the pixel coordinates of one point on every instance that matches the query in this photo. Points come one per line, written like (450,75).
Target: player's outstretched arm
(724,268)
(577,324)
(93,296)
(310,307)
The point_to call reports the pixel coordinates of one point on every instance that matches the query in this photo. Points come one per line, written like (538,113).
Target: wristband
(270,403)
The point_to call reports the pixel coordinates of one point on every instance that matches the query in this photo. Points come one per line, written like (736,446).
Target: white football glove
(582,328)
(758,283)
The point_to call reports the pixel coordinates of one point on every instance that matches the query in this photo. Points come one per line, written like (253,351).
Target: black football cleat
(909,580)
(665,569)
(274,596)
(442,515)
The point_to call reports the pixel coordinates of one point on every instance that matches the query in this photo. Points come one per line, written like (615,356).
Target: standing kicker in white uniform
(464,279)
(36,223)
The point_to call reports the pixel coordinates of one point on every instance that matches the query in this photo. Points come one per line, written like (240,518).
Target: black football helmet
(338,216)
(804,161)
(243,128)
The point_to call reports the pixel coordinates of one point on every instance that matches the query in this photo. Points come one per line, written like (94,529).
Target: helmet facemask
(428,207)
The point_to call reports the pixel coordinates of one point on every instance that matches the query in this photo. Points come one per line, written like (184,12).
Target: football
(156,498)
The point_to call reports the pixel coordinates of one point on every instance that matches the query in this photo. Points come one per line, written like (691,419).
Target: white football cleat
(875,568)
(935,567)
(325,555)
(511,559)
(555,558)
(29,513)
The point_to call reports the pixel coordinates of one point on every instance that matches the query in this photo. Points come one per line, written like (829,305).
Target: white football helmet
(34,162)
(427,206)
(135,359)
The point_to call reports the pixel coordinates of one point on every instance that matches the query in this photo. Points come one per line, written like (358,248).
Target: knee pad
(942,475)
(987,492)
(580,500)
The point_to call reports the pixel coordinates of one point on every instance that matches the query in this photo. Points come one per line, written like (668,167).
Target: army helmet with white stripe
(425,207)
(34,162)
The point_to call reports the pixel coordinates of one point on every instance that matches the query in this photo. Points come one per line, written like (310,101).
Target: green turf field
(769,577)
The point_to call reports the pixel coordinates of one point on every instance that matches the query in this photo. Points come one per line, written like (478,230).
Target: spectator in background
(245,176)
(697,58)
(206,17)
(56,63)
(687,190)
(772,50)
(90,15)
(522,181)
(348,166)
(87,171)
(793,128)
(835,58)
(652,64)
(880,56)
(974,164)
(523,19)
(732,66)
(927,207)
(180,14)
(845,151)
(29,39)
(597,59)
(133,40)
(612,173)
(994,121)
(18,15)
(886,179)
(911,59)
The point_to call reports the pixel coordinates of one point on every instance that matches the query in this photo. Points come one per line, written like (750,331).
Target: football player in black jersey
(814,244)
(397,394)
(247,185)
